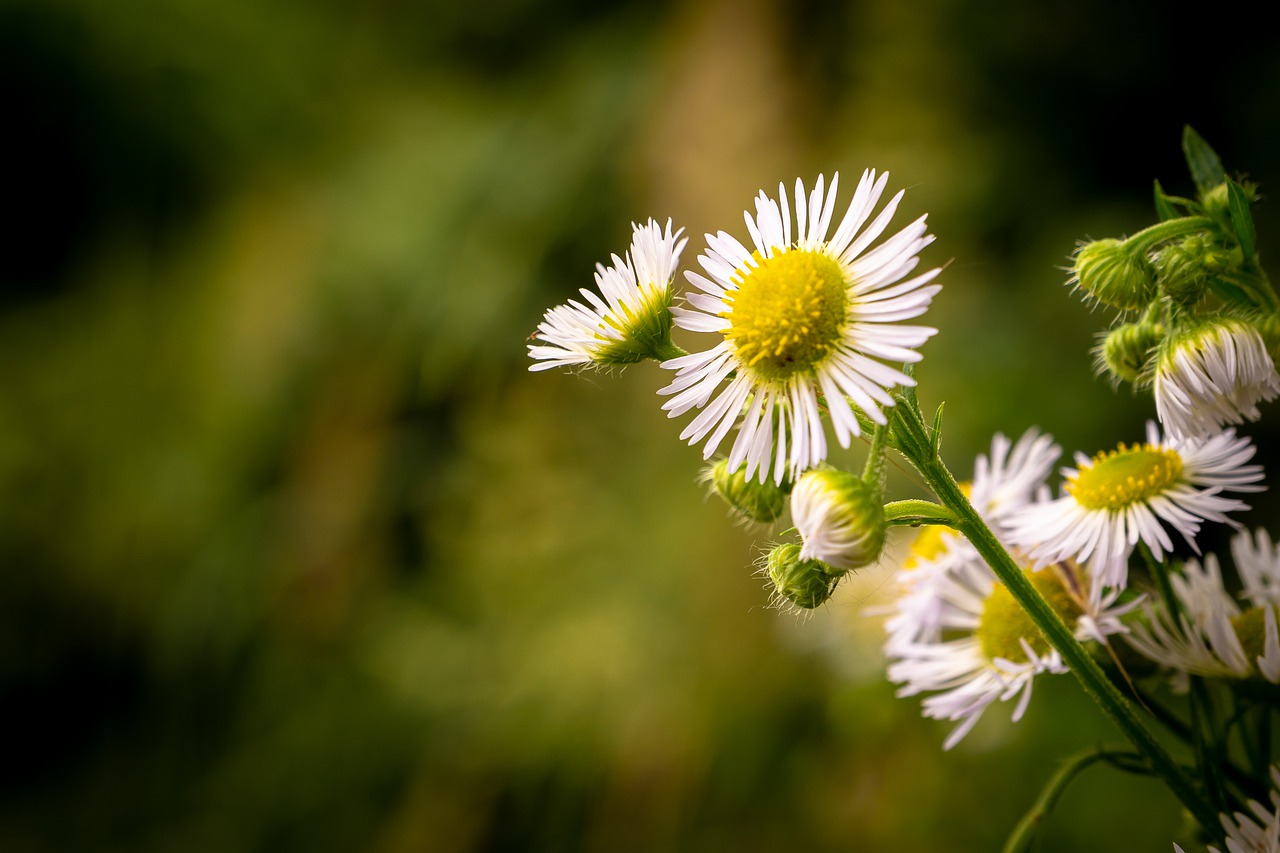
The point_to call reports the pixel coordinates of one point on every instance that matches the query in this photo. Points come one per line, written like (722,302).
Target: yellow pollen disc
(930,542)
(1125,476)
(788,313)
(1250,629)
(1004,623)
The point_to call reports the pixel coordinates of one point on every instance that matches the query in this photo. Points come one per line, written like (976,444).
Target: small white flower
(840,518)
(629,321)
(801,316)
(1127,495)
(1213,375)
(986,648)
(1214,636)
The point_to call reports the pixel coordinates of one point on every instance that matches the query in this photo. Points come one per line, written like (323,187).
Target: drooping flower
(802,322)
(1214,634)
(1212,375)
(1127,495)
(629,320)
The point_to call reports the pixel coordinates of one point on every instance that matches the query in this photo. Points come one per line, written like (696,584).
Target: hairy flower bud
(1114,275)
(840,518)
(1127,349)
(804,583)
(747,496)
(1186,268)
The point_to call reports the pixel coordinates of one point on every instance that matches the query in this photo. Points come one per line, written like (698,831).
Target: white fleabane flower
(1212,375)
(1214,635)
(986,648)
(629,320)
(802,316)
(1012,476)
(840,518)
(1127,495)
(1257,832)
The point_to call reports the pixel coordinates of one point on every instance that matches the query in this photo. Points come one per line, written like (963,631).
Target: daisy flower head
(1216,635)
(1212,375)
(988,649)
(629,320)
(803,315)
(1119,497)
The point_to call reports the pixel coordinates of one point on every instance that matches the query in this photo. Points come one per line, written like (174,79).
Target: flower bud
(1114,275)
(1268,325)
(747,496)
(1126,349)
(804,583)
(840,518)
(1186,268)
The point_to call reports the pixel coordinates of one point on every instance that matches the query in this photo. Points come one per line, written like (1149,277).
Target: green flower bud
(803,583)
(749,498)
(1127,349)
(1217,201)
(1114,275)
(1186,268)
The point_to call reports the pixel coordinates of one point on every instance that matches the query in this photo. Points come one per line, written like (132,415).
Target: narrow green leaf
(1242,219)
(1206,167)
(1164,207)
(935,440)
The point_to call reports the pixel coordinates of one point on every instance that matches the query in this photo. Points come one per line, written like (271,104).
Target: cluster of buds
(1202,322)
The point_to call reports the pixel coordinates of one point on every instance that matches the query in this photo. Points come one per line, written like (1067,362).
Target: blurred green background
(296,553)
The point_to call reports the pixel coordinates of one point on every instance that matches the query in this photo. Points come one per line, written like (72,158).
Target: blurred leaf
(1206,167)
(1164,205)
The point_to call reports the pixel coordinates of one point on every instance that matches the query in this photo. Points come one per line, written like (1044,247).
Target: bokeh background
(296,555)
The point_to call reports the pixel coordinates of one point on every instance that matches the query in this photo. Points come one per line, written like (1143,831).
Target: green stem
(914,443)
(1161,231)
(666,350)
(1025,832)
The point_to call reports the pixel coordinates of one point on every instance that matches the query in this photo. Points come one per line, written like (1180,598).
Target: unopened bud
(1114,275)
(804,583)
(840,518)
(747,496)
(1127,349)
(1186,268)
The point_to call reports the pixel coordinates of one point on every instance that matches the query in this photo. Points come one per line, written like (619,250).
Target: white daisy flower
(840,518)
(1212,375)
(1127,495)
(1257,832)
(802,316)
(988,649)
(1214,635)
(629,321)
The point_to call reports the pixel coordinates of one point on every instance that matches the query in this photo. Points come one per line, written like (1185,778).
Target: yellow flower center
(1251,630)
(1125,476)
(788,313)
(1004,624)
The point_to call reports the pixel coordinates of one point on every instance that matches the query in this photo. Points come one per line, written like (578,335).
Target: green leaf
(935,440)
(1164,207)
(1206,167)
(1242,219)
